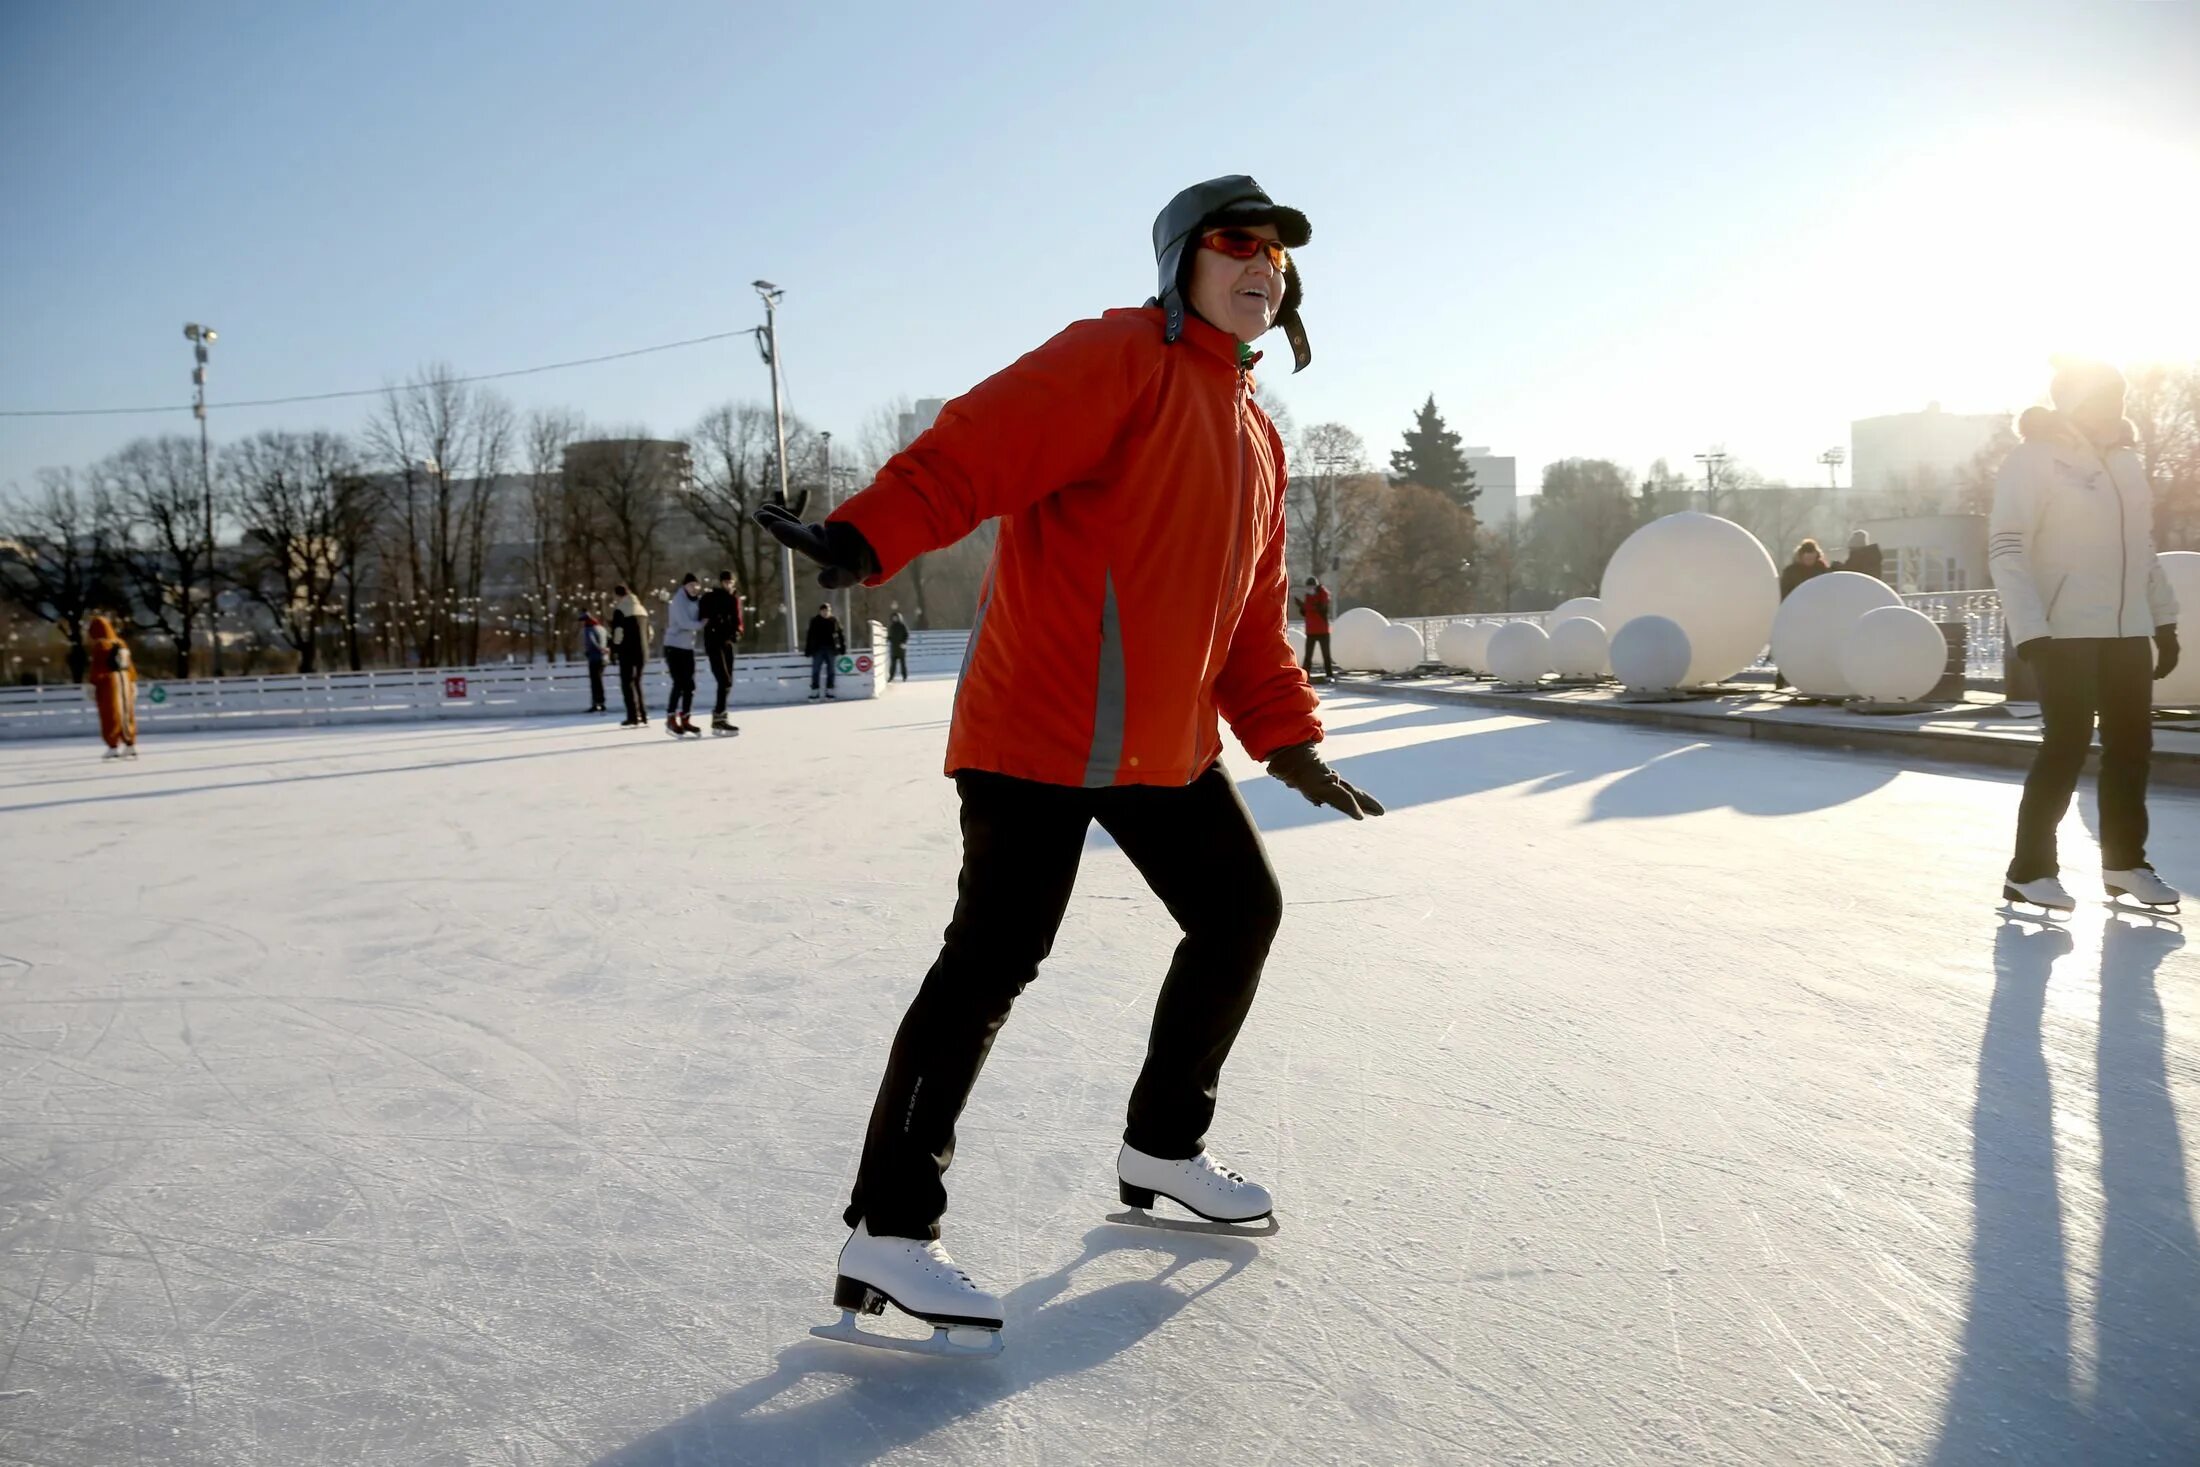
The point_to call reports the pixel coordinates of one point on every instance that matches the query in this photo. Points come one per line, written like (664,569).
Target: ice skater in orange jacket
(1137,592)
(114,687)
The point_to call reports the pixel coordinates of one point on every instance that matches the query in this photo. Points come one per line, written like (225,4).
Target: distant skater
(114,686)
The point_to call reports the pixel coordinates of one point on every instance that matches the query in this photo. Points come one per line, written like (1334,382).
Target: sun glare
(1987,252)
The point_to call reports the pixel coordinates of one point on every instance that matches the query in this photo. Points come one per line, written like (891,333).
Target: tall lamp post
(202,337)
(1833,458)
(1711,464)
(772,294)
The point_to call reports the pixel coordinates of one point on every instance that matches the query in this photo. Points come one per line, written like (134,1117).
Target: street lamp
(772,295)
(202,337)
(1711,463)
(1833,458)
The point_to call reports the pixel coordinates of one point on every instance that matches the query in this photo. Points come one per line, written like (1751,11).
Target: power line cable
(641,351)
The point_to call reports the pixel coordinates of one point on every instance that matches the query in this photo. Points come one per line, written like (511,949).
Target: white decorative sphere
(1297,639)
(1402,649)
(1812,629)
(1651,654)
(1894,655)
(1707,575)
(1461,644)
(1357,637)
(1579,648)
(1520,652)
(1590,606)
(2181,689)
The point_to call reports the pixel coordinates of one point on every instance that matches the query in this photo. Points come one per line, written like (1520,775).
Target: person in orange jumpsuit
(114,687)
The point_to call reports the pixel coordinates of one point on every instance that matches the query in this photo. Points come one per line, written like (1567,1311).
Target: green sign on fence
(158,695)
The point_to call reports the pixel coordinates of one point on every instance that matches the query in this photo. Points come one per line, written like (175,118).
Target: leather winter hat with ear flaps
(1232,200)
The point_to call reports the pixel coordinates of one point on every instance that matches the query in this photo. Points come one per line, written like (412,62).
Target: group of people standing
(715,617)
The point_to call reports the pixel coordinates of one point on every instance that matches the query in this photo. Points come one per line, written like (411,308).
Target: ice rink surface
(487,1093)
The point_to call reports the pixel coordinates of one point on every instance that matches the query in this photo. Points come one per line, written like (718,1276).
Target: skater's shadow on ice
(2015,1396)
(1662,775)
(891,1400)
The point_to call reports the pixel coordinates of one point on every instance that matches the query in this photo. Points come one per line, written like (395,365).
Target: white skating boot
(1197,1184)
(916,1276)
(2048,892)
(2143,887)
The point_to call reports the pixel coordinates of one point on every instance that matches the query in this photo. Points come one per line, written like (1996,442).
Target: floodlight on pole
(201,337)
(1712,462)
(1833,458)
(771,295)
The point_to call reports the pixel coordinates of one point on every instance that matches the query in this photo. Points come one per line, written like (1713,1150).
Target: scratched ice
(471,1094)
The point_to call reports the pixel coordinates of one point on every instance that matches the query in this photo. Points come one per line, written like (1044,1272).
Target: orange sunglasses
(1240,244)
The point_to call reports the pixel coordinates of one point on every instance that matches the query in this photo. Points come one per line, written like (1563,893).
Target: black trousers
(1199,851)
(824,662)
(595,685)
(680,662)
(630,689)
(1319,639)
(2082,678)
(721,669)
(897,664)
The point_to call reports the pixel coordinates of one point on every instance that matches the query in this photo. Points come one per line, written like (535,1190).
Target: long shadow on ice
(1670,775)
(892,1400)
(2014,1398)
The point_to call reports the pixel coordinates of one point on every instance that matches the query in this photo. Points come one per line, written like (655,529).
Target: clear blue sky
(1617,230)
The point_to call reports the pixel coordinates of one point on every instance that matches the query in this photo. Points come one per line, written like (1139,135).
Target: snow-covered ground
(488,1094)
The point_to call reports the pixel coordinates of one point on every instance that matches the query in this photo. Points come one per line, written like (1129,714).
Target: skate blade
(2131,906)
(975,1342)
(1139,1217)
(2016,905)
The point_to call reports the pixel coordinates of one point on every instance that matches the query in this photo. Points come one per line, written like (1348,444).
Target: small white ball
(1579,648)
(1590,606)
(1458,647)
(2181,689)
(1894,655)
(1356,638)
(1520,652)
(1402,649)
(1651,654)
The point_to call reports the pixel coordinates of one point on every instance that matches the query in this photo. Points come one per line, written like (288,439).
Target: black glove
(2030,651)
(2165,651)
(1301,768)
(839,547)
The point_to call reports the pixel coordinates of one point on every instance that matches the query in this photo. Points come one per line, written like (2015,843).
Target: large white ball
(2181,689)
(1297,639)
(1590,606)
(1357,638)
(1707,575)
(1651,654)
(1520,652)
(1894,655)
(1461,645)
(1579,648)
(1402,649)
(1813,626)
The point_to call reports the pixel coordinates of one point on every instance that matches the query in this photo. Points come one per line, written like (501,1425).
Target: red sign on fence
(863,664)
(454,687)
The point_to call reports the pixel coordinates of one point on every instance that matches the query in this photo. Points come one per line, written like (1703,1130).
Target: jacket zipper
(1237,505)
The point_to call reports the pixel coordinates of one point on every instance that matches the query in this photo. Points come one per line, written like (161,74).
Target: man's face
(1239,296)
(693,588)
(2100,416)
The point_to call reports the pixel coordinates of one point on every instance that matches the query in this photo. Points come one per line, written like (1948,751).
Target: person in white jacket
(2071,548)
(683,620)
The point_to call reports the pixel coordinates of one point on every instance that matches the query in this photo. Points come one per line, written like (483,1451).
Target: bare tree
(2164,406)
(1585,509)
(733,448)
(1419,561)
(53,558)
(1332,497)
(631,489)
(292,493)
(152,496)
(557,528)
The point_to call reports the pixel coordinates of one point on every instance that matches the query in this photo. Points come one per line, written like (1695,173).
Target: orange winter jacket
(1137,588)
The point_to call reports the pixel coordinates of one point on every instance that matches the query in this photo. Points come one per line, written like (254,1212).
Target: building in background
(913,423)
(1917,451)
(1497,480)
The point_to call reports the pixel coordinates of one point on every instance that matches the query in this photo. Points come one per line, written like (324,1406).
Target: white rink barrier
(403,695)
